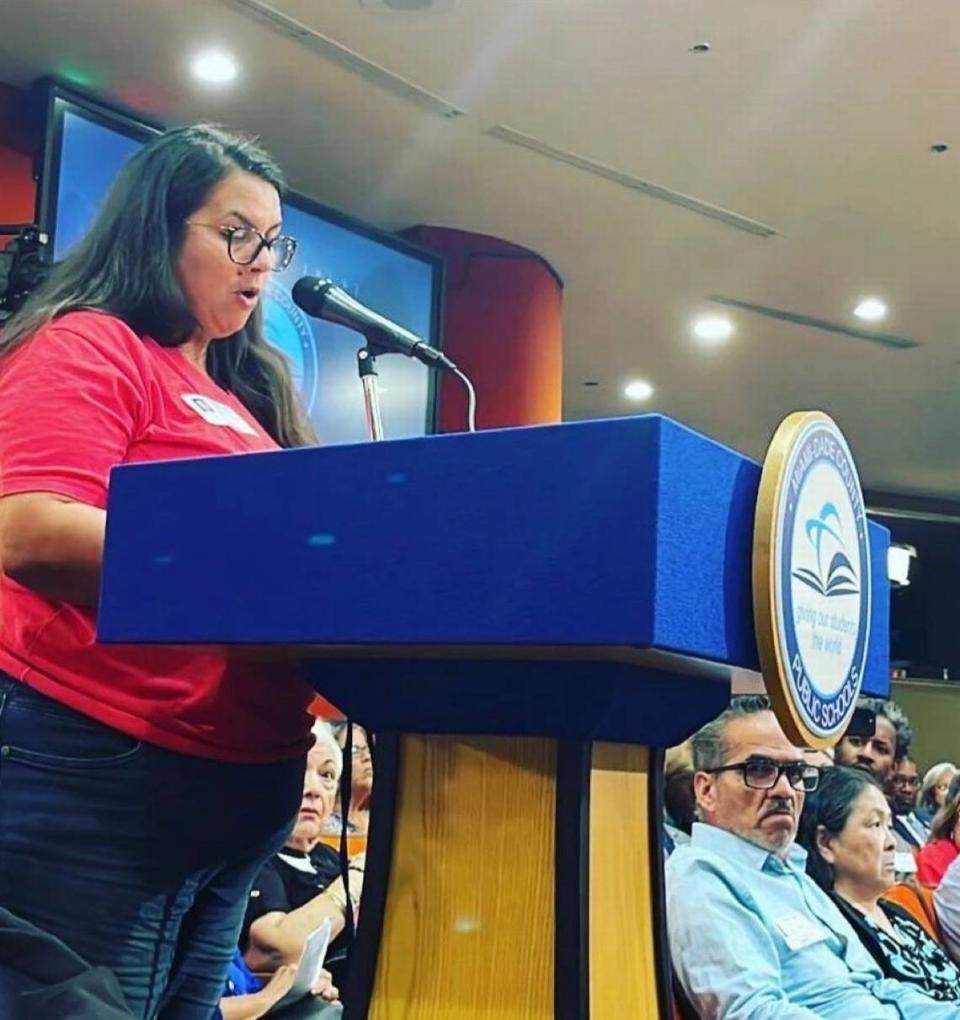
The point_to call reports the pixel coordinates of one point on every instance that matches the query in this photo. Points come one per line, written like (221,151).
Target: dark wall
(925,615)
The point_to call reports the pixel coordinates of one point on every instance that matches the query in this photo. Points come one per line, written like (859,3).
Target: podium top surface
(576,551)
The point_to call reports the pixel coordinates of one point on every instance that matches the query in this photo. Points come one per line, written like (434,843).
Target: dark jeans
(138,858)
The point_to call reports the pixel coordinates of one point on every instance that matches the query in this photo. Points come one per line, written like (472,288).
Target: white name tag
(215,413)
(904,863)
(799,931)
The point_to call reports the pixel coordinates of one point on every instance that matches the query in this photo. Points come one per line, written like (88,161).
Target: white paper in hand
(308,970)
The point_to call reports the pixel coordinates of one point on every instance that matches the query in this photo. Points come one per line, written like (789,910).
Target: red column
(17,188)
(503,328)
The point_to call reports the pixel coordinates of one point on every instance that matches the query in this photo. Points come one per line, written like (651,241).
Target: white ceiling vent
(343,56)
(626,180)
(410,6)
(872,336)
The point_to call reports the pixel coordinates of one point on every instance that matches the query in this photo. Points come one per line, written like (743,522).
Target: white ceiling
(812,116)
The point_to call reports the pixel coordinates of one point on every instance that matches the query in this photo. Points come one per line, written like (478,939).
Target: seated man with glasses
(909,831)
(751,935)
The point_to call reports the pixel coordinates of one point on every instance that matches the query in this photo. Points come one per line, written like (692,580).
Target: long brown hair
(125,265)
(945,820)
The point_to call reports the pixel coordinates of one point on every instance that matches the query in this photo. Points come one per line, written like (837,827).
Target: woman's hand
(281,981)
(324,987)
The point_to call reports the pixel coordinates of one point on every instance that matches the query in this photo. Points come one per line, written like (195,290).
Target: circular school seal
(811,578)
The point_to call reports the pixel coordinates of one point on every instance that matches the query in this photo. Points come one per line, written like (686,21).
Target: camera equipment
(23,265)
(863,723)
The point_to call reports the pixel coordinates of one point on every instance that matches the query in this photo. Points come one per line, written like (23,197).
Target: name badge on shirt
(904,863)
(215,413)
(799,931)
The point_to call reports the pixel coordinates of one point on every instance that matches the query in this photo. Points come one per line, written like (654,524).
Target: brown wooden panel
(469,924)
(623,971)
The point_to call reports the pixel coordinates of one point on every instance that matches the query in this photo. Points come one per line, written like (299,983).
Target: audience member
(846,830)
(946,902)
(890,740)
(751,935)
(953,790)
(361,785)
(302,886)
(934,859)
(248,998)
(678,757)
(933,790)
(679,807)
(909,832)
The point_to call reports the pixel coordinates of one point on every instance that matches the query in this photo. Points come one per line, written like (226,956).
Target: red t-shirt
(933,860)
(83,394)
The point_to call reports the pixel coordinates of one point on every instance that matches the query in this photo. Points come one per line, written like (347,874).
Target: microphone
(321,299)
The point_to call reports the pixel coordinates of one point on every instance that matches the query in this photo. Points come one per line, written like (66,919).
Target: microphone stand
(370,380)
(367,370)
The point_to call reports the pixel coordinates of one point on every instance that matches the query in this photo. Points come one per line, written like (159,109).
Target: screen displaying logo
(812,577)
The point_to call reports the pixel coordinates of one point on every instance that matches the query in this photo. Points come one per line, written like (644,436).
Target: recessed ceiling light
(214,67)
(713,329)
(870,310)
(639,389)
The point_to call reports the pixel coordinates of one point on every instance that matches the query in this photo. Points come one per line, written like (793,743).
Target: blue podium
(523,617)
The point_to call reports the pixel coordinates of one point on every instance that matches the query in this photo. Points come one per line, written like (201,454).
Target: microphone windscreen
(309,293)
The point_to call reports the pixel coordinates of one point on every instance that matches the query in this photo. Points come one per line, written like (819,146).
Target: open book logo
(834,574)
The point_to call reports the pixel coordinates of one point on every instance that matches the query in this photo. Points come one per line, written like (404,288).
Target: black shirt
(289,880)
(912,956)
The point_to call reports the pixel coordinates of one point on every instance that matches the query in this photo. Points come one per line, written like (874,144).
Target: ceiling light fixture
(713,329)
(214,67)
(638,389)
(871,310)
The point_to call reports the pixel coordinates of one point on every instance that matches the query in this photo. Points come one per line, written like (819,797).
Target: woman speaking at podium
(141,789)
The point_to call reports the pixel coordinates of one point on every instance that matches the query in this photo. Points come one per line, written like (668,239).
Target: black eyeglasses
(244,244)
(763,774)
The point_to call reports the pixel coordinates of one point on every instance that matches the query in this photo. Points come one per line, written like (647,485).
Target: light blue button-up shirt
(753,937)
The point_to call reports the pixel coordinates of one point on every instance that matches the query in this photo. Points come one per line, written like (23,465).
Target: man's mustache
(779,806)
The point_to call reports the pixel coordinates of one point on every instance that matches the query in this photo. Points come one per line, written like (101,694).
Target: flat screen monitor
(87,144)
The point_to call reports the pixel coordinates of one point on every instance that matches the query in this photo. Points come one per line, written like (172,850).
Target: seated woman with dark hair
(846,830)
(943,846)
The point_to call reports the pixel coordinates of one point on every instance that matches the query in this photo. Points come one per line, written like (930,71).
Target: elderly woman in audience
(301,886)
(846,831)
(944,845)
(361,784)
(933,790)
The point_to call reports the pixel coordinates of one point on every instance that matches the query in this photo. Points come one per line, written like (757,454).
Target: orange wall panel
(502,326)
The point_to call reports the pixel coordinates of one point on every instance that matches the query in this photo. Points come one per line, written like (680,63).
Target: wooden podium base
(509,877)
